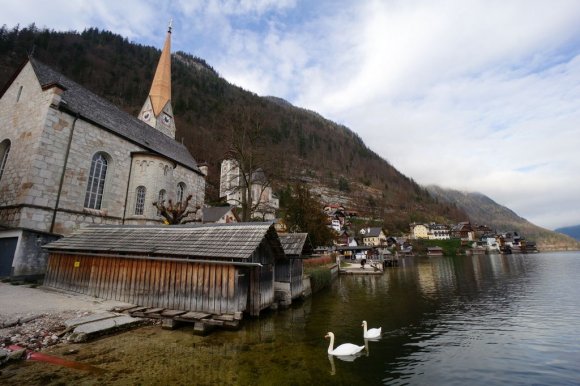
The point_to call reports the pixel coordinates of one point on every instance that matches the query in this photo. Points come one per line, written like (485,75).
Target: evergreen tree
(304,214)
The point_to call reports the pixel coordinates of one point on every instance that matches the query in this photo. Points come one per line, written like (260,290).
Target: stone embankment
(35,318)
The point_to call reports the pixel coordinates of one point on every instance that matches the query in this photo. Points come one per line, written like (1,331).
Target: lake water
(482,320)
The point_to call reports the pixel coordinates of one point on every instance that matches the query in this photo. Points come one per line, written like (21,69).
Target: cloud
(479,95)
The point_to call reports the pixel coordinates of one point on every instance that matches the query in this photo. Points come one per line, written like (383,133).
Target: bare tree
(245,172)
(176,213)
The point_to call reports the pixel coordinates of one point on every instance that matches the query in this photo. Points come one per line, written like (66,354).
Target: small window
(19,94)
(180,191)
(161,199)
(96,185)
(4,150)
(140,201)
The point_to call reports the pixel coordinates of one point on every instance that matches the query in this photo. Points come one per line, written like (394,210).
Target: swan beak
(326,336)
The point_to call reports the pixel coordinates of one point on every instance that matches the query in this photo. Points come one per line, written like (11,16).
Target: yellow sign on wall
(77,264)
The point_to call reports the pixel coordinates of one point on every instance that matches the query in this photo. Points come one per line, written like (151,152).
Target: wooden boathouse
(211,268)
(289,272)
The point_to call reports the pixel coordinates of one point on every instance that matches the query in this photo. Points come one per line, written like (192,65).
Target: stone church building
(68,158)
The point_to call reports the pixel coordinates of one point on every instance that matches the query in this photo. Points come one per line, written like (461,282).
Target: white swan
(344,349)
(372,333)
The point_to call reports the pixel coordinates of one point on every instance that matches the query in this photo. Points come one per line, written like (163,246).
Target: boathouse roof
(221,241)
(295,244)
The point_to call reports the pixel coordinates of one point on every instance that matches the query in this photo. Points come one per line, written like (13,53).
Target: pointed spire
(160,92)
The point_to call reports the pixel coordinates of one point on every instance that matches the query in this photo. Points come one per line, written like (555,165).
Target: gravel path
(33,318)
(20,302)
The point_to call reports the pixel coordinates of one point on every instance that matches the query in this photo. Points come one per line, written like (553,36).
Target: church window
(180,191)
(4,150)
(96,185)
(19,93)
(161,199)
(140,200)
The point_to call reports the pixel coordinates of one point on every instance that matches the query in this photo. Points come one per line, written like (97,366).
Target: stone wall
(23,109)
(40,132)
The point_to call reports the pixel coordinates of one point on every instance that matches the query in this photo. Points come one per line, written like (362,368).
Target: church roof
(160,92)
(97,110)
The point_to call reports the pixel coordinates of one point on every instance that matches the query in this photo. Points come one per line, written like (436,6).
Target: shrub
(319,278)
(318,261)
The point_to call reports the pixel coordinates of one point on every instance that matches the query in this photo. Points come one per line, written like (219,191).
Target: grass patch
(450,247)
(319,277)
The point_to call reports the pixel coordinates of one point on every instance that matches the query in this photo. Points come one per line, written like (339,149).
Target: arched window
(161,199)
(140,200)
(4,150)
(180,191)
(96,185)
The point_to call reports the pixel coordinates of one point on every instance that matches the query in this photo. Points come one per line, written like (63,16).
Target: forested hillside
(301,145)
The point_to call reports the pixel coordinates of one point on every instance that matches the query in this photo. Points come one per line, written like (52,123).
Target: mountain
(483,210)
(573,231)
(303,146)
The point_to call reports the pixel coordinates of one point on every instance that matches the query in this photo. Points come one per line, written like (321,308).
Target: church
(70,158)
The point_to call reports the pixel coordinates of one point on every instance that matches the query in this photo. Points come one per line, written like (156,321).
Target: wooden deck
(203,322)
(356,269)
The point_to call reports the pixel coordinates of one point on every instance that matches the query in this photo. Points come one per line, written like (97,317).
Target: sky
(474,95)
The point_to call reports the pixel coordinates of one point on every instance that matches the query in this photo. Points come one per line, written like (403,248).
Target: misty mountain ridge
(483,210)
(572,231)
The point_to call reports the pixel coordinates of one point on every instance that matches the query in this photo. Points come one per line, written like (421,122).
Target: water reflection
(464,320)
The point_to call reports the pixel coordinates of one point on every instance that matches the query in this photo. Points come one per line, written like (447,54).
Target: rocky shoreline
(34,333)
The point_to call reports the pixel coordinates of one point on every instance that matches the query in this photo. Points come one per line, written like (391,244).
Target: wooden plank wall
(266,286)
(282,270)
(296,287)
(151,283)
(261,289)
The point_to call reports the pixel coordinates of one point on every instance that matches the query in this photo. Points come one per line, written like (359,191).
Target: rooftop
(229,241)
(93,108)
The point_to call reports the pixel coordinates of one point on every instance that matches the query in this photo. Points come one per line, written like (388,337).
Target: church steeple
(157,111)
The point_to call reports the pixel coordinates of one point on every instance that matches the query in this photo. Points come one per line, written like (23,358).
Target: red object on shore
(40,357)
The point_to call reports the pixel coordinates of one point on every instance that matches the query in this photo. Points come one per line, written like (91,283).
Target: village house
(280,225)
(373,236)
(482,230)
(419,231)
(438,232)
(463,231)
(342,238)
(70,158)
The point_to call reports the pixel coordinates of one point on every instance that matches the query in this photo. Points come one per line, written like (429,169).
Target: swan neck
(331,345)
